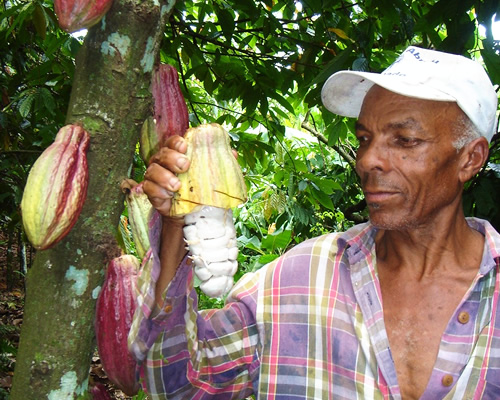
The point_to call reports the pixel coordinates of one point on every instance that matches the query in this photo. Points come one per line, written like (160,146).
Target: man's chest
(415,318)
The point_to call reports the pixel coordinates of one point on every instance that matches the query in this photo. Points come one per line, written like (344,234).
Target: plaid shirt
(308,326)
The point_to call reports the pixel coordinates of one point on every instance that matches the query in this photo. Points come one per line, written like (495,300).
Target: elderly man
(404,306)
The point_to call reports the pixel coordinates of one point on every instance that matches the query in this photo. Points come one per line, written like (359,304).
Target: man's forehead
(401,124)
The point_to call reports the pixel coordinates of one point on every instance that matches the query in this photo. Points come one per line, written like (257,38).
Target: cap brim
(343,93)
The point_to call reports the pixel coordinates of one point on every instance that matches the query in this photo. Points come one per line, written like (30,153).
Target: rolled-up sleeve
(185,353)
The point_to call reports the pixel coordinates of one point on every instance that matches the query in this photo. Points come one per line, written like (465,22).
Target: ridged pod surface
(214,177)
(99,392)
(139,209)
(149,143)
(210,188)
(171,115)
(56,188)
(74,15)
(115,309)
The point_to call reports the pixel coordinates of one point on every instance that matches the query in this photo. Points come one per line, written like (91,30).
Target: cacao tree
(110,98)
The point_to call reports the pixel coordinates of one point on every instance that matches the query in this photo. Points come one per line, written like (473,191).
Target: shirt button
(447,380)
(167,308)
(463,317)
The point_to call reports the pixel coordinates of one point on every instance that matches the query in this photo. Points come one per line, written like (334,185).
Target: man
(405,306)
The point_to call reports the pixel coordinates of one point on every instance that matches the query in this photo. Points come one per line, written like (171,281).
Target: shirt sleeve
(185,353)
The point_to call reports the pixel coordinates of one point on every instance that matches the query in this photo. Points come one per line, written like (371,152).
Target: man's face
(406,160)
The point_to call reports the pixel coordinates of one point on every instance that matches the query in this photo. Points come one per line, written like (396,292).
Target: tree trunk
(111,98)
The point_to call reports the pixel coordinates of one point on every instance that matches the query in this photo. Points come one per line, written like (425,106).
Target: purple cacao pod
(171,115)
(99,392)
(114,313)
(74,15)
(56,188)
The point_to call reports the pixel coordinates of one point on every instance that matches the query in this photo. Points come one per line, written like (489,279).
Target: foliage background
(258,68)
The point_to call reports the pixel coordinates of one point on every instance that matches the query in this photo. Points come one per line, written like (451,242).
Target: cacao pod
(214,177)
(211,238)
(115,309)
(139,209)
(74,15)
(170,111)
(148,143)
(210,188)
(99,392)
(56,188)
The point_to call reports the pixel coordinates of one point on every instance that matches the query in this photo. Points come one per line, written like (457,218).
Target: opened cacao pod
(214,177)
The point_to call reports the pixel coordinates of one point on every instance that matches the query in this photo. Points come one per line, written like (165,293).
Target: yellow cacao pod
(56,188)
(214,177)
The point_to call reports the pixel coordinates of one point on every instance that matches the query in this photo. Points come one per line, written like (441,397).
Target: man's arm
(160,183)
(172,252)
(183,352)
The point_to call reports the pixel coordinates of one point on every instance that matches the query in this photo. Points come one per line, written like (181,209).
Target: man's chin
(390,221)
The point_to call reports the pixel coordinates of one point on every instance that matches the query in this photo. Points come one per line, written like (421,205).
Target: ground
(11,318)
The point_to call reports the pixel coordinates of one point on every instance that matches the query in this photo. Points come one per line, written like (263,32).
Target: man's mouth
(378,196)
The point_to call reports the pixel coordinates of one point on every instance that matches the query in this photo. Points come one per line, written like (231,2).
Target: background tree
(257,68)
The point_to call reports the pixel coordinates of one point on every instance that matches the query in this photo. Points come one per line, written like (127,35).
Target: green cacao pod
(115,309)
(56,188)
(74,15)
(139,209)
(171,115)
(149,143)
(214,177)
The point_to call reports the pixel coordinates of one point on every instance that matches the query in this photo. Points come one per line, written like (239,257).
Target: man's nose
(372,156)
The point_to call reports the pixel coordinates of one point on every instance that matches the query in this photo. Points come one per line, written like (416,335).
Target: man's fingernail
(181,162)
(174,182)
(178,145)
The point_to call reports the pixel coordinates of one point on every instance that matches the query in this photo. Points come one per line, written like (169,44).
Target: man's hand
(160,180)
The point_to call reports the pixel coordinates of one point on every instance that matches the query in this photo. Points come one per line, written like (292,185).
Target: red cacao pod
(170,110)
(99,392)
(56,188)
(74,15)
(114,313)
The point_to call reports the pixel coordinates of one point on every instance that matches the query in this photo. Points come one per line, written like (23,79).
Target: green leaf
(327,186)
(25,104)
(226,20)
(282,101)
(492,62)
(45,101)
(323,199)
(336,64)
(277,240)
(267,258)
(40,21)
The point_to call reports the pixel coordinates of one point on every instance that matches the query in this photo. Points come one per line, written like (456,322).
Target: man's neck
(441,245)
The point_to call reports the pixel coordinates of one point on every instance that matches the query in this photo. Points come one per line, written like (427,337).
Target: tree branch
(346,156)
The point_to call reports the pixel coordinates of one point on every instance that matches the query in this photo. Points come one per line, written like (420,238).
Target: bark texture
(110,98)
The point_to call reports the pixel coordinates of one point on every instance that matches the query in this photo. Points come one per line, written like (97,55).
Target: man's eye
(361,139)
(407,141)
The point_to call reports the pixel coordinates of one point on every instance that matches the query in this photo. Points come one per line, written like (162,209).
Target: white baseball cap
(424,74)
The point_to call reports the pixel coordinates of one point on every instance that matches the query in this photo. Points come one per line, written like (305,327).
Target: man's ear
(474,155)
